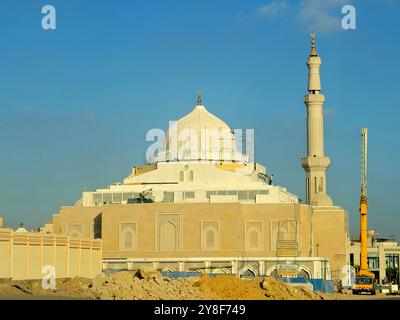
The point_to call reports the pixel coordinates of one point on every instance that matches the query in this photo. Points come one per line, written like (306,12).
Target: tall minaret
(315,164)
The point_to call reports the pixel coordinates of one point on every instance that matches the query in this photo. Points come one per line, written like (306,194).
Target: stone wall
(23,255)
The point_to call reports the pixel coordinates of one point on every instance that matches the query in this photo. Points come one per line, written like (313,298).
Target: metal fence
(319,285)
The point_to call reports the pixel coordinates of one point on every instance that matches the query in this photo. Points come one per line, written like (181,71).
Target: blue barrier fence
(322,285)
(319,285)
(177,274)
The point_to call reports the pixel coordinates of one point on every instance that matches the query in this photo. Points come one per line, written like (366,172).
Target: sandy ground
(22,296)
(339,296)
(37,297)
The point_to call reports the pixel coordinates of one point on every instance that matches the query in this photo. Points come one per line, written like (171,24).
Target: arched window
(253,236)
(210,235)
(191,175)
(303,274)
(127,237)
(249,271)
(181,176)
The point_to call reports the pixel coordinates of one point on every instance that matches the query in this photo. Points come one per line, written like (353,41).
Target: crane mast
(363,202)
(364,280)
(364,154)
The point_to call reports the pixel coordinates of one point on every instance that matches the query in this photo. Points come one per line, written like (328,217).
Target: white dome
(200,135)
(200,118)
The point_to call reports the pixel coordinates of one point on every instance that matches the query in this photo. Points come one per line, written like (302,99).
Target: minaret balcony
(315,163)
(316,97)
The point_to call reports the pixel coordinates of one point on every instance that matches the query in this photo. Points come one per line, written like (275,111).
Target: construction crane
(364,280)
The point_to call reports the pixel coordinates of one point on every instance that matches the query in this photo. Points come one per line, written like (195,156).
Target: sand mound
(277,290)
(232,288)
(145,285)
(148,284)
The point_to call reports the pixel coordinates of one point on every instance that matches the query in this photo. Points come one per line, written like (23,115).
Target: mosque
(202,204)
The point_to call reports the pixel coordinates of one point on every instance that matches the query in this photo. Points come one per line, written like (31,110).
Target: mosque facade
(202,204)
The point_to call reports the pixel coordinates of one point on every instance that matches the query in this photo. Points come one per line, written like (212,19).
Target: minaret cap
(313,52)
(199,98)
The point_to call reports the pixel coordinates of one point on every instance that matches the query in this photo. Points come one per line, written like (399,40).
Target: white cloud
(274,9)
(321,16)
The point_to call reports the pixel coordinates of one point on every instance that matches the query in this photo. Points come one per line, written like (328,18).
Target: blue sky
(76,102)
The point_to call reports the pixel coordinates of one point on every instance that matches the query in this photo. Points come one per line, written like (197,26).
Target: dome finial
(199,98)
(313,50)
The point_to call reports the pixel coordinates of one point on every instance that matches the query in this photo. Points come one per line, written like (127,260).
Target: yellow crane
(364,280)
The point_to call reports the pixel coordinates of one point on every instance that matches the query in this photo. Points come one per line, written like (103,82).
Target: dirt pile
(148,284)
(269,288)
(145,285)
(230,288)
(277,290)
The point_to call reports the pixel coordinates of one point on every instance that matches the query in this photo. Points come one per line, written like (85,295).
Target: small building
(383,257)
